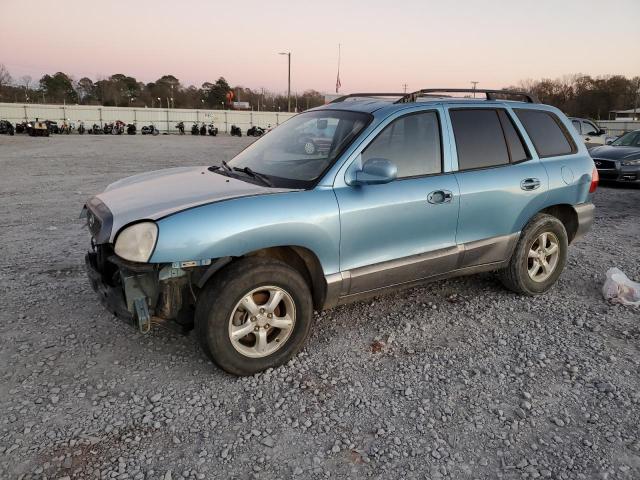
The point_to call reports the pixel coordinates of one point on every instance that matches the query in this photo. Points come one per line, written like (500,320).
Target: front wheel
(309,147)
(255,315)
(539,257)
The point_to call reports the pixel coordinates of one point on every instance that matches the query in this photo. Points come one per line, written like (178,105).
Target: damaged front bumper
(139,293)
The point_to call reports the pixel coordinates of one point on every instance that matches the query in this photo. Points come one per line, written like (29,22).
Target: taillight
(595,178)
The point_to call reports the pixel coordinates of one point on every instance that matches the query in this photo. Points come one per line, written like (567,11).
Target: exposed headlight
(136,243)
(627,163)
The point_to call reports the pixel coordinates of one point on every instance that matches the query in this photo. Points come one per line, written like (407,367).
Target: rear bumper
(585,213)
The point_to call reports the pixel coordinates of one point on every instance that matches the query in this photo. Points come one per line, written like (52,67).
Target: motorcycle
(95,129)
(203,129)
(180,127)
(150,130)
(117,128)
(213,130)
(21,127)
(195,130)
(107,129)
(131,129)
(81,128)
(256,131)
(65,128)
(235,131)
(6,127)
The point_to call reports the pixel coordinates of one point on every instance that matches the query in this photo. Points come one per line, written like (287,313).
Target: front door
(404,230)
(592,134)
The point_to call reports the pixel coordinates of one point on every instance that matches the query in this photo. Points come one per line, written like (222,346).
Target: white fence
(165,119)
(618,127)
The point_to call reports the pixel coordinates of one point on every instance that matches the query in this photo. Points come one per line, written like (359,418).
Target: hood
(153,195)
(610,152)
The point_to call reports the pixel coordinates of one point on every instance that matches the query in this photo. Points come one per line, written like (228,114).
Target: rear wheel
(257,314)
(539,257)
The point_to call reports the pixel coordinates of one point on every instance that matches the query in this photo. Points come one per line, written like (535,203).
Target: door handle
(529,184)
(440,196)
(587,139)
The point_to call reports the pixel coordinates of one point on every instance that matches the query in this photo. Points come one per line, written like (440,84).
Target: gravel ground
(458,379)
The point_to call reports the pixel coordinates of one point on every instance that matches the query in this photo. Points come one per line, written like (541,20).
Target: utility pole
(635,103)
(474,83)
(288,54)
(404,86)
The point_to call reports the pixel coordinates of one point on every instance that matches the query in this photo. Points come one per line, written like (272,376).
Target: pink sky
(384,43)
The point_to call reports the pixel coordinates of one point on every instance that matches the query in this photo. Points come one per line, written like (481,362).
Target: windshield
(631,139)
(298,152)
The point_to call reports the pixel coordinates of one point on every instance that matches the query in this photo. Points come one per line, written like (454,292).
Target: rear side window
(479,139)
(576,125)
(517,151)
(548,135)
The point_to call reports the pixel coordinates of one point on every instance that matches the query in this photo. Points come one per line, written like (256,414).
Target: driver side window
(412,143)
(589,128)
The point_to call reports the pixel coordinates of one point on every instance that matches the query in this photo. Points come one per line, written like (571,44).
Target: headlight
(627,163)
(136,243)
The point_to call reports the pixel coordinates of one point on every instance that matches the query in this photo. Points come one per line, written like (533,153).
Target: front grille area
(94,223)
(99,219)
(604,164)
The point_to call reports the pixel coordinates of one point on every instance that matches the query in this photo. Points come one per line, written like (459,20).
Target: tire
(517,277)
(221,299)
(309,147)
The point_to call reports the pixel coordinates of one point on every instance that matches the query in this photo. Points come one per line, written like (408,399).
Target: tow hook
(142,315)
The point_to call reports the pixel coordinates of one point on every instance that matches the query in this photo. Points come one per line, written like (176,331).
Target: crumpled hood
(609,152)
(153,195)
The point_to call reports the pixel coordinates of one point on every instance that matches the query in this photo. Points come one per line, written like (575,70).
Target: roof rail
(366,95)
(489,94)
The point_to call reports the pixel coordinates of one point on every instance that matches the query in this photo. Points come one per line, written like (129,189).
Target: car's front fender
(239,226)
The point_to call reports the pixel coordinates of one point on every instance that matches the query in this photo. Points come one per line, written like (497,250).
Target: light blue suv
(397,190)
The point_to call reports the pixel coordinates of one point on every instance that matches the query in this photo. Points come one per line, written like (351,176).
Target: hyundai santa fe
(402,189)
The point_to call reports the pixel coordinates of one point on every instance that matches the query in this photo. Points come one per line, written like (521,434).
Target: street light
(159,102)
(288,54)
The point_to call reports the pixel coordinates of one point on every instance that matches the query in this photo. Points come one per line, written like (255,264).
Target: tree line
(121,90)
(576,95)
(585,96)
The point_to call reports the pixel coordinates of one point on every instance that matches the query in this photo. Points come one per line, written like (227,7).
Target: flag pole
(338,84)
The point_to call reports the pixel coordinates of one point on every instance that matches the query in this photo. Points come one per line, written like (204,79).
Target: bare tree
(25,81)
(5,76)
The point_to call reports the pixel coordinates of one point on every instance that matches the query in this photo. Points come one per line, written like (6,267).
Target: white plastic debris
(619,289)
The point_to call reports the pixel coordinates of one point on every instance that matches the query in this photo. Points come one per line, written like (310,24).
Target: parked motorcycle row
(203,129)
(47,127)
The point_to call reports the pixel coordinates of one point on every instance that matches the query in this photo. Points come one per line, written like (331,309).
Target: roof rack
(489,94)
(366,95)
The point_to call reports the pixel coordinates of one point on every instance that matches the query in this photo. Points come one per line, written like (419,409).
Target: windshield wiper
(225,166)
(253,174)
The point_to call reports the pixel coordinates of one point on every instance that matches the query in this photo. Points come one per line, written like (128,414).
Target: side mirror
(602,131)
(609,142)
(374,171)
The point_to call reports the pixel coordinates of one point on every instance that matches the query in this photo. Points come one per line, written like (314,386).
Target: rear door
(500,181)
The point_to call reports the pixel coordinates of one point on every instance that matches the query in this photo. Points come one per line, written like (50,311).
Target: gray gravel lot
(459,379)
